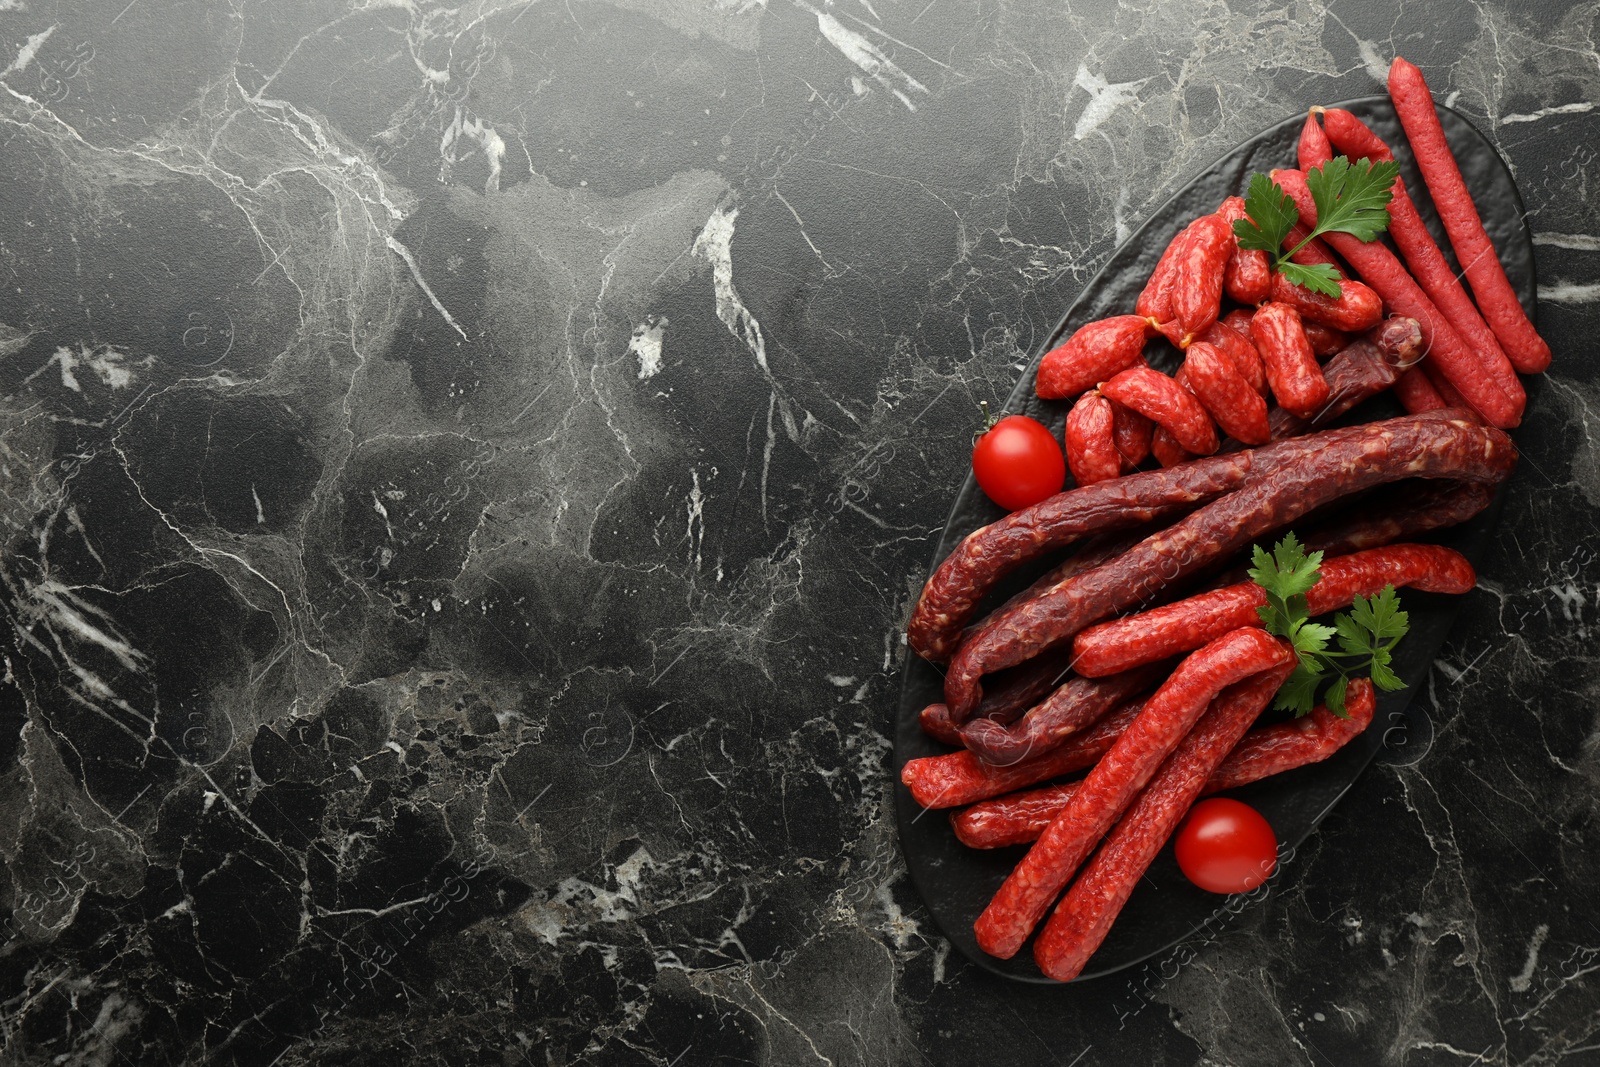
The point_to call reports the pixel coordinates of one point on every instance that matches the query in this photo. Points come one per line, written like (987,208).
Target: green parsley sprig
(1351,198)
(1366,634)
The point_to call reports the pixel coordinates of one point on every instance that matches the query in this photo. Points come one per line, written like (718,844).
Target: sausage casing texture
(1293,477)
(1325,340)
(1134,641)
(1312,150)
(986,555)
(1357,372)
(1292,371)
(1155,300)
(1215,381)
(1130,435)
(1081,921)
(1198,273)
(1400,512)
(1164,401)
(1016,690)
(1166,449)
(1075,706)
(1356,308)
(1284,746)
(1114,781)
(1474,250)
(1247,278)
(959,778)
(1090,445)
(1018,818)
(1240,349)
(1092,354)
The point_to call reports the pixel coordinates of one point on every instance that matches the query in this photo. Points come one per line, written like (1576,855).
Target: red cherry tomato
(1226,847)
(1018,462)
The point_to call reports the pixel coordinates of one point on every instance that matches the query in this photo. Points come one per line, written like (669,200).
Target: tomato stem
(988,423)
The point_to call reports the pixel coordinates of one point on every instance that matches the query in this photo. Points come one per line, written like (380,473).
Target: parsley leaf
(1351,198)
(1272,215)
(1366,634)
(1318,277)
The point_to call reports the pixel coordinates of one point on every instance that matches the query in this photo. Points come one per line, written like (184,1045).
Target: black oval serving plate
(956,882)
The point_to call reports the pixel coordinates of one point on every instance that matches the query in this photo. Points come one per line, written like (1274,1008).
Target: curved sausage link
(1091,355)
(1247,278)
(1215,381)
(1356,308)
(1162,400)
(983,557)
(1292,368)
(1090,443)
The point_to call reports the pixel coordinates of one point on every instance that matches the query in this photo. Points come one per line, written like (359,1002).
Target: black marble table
(465,469)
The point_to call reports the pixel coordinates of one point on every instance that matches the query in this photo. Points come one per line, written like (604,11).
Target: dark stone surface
(464,470)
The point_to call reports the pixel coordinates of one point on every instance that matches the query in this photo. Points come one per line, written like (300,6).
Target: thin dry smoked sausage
(1114,781)
(1326,466)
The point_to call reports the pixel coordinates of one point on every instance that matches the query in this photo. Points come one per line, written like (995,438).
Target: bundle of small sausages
(1097,665)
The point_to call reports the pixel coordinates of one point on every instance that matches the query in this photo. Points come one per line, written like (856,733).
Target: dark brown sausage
(1074,707)
(958,778)
(1330,465)
(985,556)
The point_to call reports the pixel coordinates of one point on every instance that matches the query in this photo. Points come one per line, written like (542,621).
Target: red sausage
(1130,432)
(1499,397)
(1197,276)
(1313,148)
(1247,277)
(1215,381)
(1091,449)
(1151,636)
(1159,398)
(1080,923)
(959,778)
(1416,393)
(1166,449)
(1167,717)
(1474,251)
(1091,355)
(1442,386)
(1017,818)
(1292,369)
(1155,300)
(1356,308)
(1428,265)
(1240,349)
(1284,746)
(1325,340)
